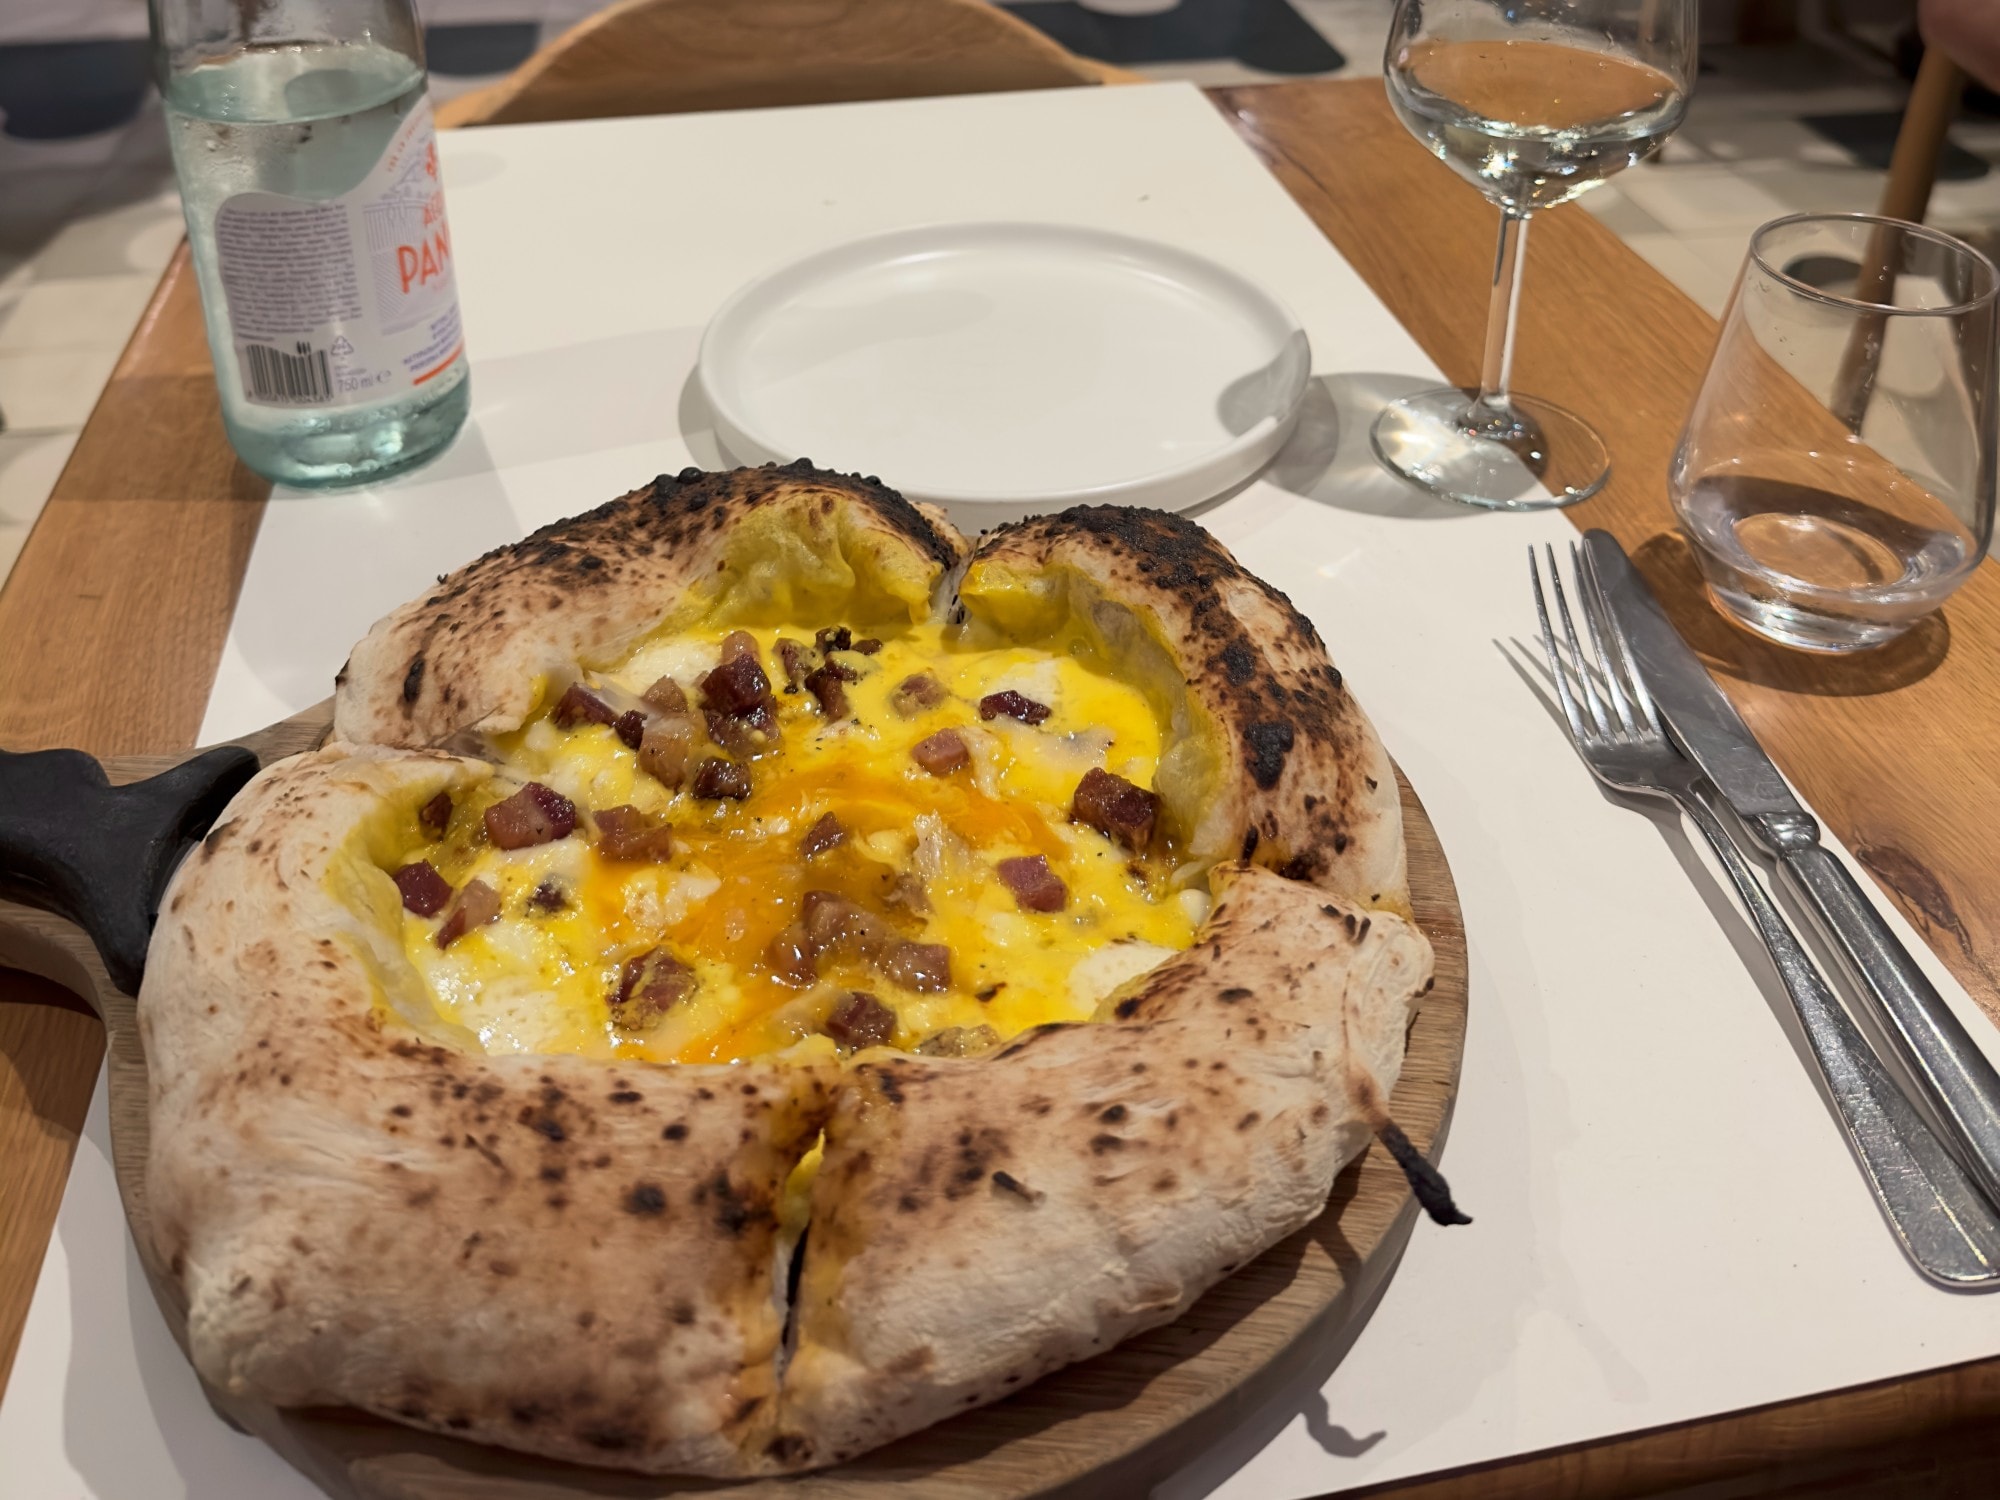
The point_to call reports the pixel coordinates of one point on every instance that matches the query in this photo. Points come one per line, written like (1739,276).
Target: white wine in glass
(1532,104)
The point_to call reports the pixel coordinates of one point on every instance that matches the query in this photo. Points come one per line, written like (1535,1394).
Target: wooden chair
(646,57)
(1913,167)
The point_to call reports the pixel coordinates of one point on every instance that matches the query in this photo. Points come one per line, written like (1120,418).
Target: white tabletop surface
(1667,1224)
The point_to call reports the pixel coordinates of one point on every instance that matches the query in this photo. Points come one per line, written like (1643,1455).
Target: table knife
(1955,1077)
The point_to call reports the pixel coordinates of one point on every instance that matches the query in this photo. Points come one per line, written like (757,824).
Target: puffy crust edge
(1146,1156)
(1304,785)
(557,1254)
(1305,790)
(471,655)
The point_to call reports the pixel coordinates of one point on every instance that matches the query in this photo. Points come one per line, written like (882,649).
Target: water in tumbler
(308,175)
(1820,570)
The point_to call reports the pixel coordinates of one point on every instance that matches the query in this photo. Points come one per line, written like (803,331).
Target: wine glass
(1532,102)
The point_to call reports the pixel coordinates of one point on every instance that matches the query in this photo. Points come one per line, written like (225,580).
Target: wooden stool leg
(1920,140)
(1907,196)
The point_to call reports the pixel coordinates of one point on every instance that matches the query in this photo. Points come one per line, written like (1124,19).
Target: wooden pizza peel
(85,852)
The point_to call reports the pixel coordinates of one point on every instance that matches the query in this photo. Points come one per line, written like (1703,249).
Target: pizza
(754,973)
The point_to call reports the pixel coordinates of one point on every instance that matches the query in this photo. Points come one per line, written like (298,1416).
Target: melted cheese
(535,981)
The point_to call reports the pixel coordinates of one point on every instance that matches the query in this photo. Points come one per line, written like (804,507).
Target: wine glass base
(1541,459)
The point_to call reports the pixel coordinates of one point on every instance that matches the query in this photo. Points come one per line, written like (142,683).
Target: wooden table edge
(1800,1437)
(1783,1440)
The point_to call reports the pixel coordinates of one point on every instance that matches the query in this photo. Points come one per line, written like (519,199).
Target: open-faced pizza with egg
(755,973)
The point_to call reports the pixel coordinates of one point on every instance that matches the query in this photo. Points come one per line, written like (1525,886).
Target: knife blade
(1953,1074)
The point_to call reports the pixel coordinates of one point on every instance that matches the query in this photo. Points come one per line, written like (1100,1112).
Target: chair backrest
(645,57)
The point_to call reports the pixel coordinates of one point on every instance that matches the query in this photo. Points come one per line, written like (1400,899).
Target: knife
(1954,1075)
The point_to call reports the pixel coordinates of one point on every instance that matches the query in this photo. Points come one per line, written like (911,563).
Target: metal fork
(1943,1224)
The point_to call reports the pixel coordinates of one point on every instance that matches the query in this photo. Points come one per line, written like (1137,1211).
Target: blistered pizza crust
(587,1259)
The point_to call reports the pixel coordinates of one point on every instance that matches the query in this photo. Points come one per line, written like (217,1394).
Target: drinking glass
(1532,102)
(1836,474)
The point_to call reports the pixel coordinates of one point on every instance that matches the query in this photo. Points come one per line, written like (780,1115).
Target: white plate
(1007,369)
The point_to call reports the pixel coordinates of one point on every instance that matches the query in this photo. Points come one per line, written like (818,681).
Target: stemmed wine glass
(1532,102)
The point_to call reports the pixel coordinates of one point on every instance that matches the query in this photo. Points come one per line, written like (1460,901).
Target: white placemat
(1667,1224)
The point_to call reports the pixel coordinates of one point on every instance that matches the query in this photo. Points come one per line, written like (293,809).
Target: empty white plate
(1008,369)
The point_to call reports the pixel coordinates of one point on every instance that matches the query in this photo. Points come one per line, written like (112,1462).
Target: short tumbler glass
(1836,474)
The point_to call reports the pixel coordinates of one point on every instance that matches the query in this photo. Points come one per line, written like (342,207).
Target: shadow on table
(1669,565)
(1290,1389)
(697,425)
(1329,459)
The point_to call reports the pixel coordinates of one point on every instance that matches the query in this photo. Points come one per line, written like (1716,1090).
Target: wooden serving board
(1110,1426)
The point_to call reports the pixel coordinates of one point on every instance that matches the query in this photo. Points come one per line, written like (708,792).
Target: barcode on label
(272,376)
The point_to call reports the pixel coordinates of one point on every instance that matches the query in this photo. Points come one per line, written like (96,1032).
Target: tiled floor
(87,223)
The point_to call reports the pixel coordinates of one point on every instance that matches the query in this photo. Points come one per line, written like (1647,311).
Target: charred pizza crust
(582,1259)
(475,654)
(1270,758)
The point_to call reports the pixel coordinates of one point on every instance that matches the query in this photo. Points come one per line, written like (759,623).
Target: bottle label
(350,300)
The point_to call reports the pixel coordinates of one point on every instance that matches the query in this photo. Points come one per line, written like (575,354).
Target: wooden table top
(116,613)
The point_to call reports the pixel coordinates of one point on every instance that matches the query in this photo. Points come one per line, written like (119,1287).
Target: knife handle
(1945,1227)
(1954,1074)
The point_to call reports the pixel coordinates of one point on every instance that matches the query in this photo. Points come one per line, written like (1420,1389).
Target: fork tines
(1607,680)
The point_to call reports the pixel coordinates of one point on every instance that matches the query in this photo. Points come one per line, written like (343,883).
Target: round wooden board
(1112,1425)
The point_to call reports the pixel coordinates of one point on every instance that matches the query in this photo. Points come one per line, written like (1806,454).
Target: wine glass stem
(1492,406)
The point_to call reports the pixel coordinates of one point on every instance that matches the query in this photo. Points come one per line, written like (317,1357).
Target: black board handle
(100,854)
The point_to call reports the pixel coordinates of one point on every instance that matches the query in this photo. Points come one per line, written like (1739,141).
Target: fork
(1945,1227)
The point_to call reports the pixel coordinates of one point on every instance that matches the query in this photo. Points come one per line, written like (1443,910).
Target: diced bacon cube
(797,659)
(826,683)
(666,748)
(1014,705)
(666,696)
(752,733)
(860,1020)
(649,986)
(942,753)
(425,892)
(478,904)
(626,833)
(916,693)
(579,705)
(832,921)
(1035,886)
(822,836)
(536,814)
(716,779)
(924,967)
(1115,808)
(435,815)
(737,686)
(790,956)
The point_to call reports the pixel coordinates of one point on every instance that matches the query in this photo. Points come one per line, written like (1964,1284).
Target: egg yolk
(834,815)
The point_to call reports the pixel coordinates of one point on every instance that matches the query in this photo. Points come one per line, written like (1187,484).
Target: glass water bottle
(308,172)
